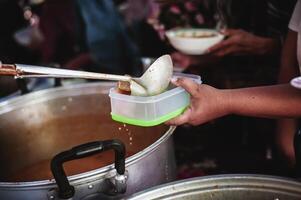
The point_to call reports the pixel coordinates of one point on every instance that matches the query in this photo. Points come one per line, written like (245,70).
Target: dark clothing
(11,20)
(106,38)
(88,26)
(57,25)
(240,134)
(194,13)
(279,13)
(268,18)
(297,145)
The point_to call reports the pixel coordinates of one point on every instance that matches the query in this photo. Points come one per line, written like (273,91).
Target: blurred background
(124,36)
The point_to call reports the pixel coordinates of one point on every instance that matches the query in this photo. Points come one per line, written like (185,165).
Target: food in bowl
(193,41)
(195,34)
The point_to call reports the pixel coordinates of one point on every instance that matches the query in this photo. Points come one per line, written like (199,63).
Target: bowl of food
(193,41)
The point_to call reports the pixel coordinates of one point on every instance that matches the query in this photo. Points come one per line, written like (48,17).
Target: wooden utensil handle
(8,70)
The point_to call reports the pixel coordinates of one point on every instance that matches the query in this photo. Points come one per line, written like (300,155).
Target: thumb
(189,85)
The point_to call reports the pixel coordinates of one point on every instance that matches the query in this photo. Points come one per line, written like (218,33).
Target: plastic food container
(153,110)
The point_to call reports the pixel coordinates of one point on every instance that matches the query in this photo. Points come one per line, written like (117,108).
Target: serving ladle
(154,81)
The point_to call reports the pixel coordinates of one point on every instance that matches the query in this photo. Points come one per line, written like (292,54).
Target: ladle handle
(7,70)
(66,191)
(30,71)
(36,71)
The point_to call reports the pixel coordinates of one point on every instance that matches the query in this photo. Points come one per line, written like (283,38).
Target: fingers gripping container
(153,110)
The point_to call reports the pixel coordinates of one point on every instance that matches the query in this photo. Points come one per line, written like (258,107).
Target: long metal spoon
(154,81)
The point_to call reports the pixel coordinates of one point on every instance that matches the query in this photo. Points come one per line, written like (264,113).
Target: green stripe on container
(144,123)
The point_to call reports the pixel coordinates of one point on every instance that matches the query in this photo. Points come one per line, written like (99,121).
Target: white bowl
(296,82)
(192,41)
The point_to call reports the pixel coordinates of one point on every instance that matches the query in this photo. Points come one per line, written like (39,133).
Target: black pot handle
(66,191)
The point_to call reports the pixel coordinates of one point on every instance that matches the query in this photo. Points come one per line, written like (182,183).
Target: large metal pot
(37,126)
(226,187)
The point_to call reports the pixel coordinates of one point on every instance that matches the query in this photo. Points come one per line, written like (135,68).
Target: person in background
(288,69)
(249,56)
(254,30)
(14,22)
(88,34)
(173,14)
(208,103)
(241,42)
(138,15)
(57,24)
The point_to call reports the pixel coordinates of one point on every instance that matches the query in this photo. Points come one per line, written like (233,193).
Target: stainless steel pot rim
(68,91)
(53,93)
(220,182)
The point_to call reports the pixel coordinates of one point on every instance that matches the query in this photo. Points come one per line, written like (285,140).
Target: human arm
(267,101)
(286,128)
(240,42)
(208,103)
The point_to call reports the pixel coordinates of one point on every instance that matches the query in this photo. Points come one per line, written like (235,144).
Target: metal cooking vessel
(37,126)
(225,187)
